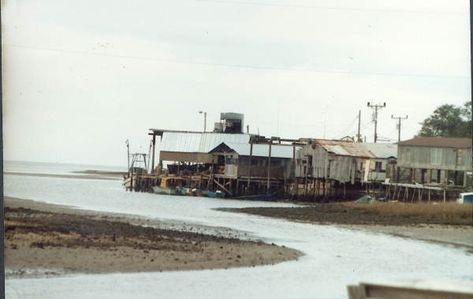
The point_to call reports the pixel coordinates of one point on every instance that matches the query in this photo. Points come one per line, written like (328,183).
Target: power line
(371,10)
(348,126)
(241,66)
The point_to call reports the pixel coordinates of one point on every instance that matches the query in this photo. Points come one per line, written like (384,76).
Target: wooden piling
(269,168)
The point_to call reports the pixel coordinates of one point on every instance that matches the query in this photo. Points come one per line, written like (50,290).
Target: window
(230,160)
(407,154)
(459,157)
(436,156)
(378,167)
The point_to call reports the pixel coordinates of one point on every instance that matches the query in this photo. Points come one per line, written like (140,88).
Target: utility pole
(128,153)
(376,107)
(205,120)
(358,136)
(399,119)
(471,83)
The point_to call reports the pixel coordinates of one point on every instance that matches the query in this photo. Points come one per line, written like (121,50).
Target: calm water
(53,168)
(333,258)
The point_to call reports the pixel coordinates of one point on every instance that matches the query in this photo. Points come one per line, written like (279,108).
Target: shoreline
(457,233)
(450,236)
(44,240)
(77,175)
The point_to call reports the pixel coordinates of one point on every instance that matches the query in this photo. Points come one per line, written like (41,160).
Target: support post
(294,159)
(153,153)
(249,164)
(131,178)
(268,184)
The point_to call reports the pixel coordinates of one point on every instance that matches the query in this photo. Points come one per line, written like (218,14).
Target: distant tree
(466,114)
(449,121)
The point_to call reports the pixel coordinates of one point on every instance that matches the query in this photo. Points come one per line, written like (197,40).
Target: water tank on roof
(232,122)
(218,128)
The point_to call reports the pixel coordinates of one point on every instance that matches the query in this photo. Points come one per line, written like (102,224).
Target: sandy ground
(46,240)
(452,230)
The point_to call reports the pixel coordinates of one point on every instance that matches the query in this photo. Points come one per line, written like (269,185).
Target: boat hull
(166,191)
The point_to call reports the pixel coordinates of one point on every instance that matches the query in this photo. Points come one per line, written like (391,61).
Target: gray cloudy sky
(81,77)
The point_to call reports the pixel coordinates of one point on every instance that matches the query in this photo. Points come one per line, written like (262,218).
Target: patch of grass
(392,213)
(446,212)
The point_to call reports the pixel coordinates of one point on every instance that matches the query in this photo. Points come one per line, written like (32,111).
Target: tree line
(448,121)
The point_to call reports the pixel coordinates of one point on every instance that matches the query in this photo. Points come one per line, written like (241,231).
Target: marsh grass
(389,213)
(448,213)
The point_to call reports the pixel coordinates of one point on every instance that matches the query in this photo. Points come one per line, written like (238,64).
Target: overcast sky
(81,77)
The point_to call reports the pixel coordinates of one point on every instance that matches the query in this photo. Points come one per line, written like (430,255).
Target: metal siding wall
(467,159)
(342,169)
(427,158)
(301,155)
(319,161)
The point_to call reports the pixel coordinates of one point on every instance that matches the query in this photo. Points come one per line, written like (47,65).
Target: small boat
(167,191)
(174,185)
(212,194)
(170,186)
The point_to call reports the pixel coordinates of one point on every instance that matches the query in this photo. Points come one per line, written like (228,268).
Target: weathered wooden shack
(324,168)
(341,161)
(435,160)
(253,168)
(346,161)
(242,160)
(382,164)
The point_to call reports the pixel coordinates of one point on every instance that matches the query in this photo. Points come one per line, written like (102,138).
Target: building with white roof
(194,146)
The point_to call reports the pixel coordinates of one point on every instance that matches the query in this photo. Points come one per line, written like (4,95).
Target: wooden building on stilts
(225,160)
(254,168)
(431,168)
(341,169)
(243,165)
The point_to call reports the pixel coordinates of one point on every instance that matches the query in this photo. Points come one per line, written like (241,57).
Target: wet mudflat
(64,240)
(449,223)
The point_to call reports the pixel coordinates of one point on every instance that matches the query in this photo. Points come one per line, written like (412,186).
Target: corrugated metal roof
(262,150)
(338,150)
(344,148)
(439,142)
(381,150)
(198,142)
